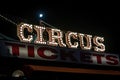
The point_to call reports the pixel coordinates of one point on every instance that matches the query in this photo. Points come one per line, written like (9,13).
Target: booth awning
(72,70)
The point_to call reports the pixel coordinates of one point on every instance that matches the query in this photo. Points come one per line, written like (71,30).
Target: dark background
(95,18)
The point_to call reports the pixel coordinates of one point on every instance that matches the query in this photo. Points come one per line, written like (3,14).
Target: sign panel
(50,53)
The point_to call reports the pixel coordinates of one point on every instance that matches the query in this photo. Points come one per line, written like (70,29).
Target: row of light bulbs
(56,38)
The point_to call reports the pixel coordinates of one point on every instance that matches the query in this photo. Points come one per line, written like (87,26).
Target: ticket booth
(65,67)
(49,54)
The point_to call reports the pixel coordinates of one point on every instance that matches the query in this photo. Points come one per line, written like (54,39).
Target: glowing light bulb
(40,15)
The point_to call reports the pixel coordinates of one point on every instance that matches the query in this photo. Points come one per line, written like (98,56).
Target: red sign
(40,52)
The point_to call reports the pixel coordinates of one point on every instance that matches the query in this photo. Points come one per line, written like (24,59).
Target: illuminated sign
(56,37)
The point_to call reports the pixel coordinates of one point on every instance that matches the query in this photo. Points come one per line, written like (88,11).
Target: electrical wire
(41,21)
(8,19)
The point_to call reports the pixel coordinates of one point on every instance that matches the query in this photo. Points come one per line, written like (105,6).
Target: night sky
(100,20)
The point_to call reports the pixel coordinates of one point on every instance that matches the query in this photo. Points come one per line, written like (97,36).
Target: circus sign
(55,37)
